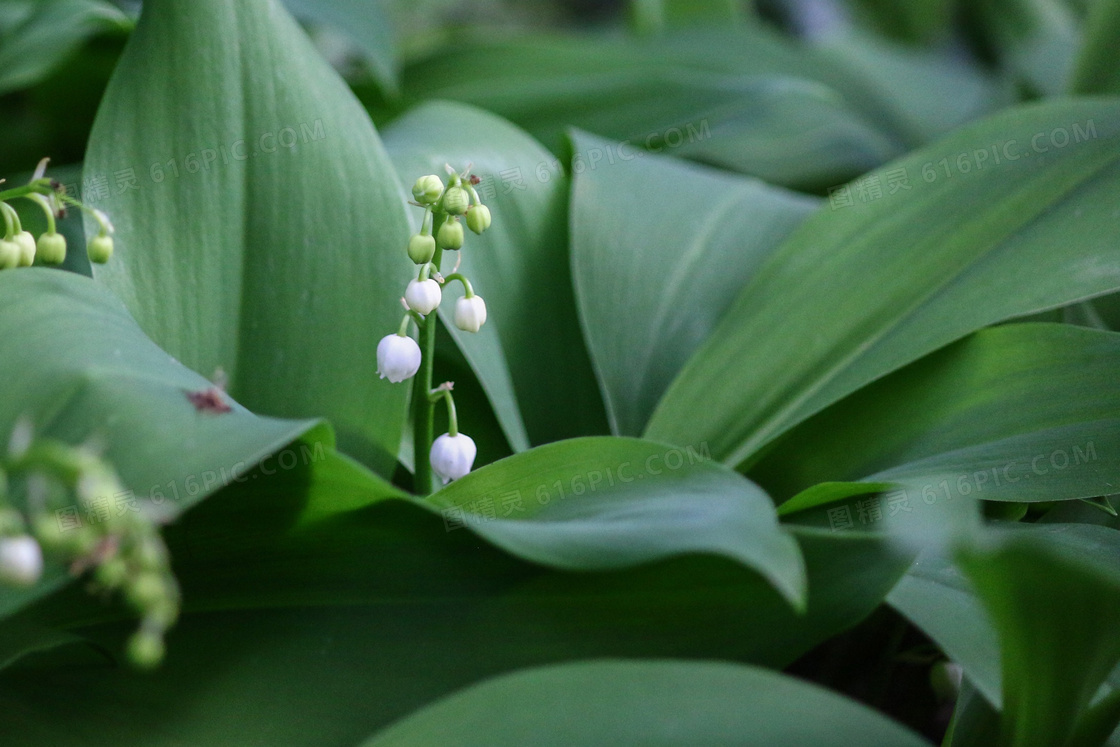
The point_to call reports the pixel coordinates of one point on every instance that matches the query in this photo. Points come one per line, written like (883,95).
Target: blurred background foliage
(803,93)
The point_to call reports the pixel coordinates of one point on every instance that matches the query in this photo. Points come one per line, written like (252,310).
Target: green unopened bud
(451,235)
(456,201)
(427,189)
(70,540)
(146,590)
(478,218)
(151,555)
(146,649)
(164,614)
(52,248)
(100,249)
(9,254)
(112,573)
(421,248)
(26,248)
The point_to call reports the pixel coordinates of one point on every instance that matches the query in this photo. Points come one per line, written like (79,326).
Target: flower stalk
(451,455)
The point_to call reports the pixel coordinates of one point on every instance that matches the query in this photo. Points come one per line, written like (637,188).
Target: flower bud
(451,235)
(100,249)
(423,296)
(470,313)
(146,649)
(452,456)
(478,218)
(9,254)
(421,248)
(112,573)
(146,590)
(163,614)
(21,560)
(427,189)
(456,201)
(151,554)
(398,358)
(52,248)
(26,248)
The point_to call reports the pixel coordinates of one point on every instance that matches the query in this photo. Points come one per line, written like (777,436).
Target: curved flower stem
(444,392)
(39,187)
(423,409)
(462,279)
(11,221)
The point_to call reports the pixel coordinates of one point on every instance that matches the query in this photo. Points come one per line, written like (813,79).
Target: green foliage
(798,331)
(638,703)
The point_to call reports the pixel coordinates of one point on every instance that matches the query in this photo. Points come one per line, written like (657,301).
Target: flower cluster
(399,357)
(121,552)
(18,248)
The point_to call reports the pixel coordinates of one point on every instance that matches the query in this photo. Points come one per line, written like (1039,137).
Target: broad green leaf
(908,94)
(607,502)
(645,703)
(19,641)
(938,597)
(46,33)
(1108,309)
(654,16)
(744,98)
(975,723)
(1021,412)
(1036,40)
(857,292)
(923,93)
(266,232)
(306,623)
(915,21)
(660,249)
(1053,593)
(520,266)
(769,119)
(79,368)
(1096,70)
(366,24)
(1098,725)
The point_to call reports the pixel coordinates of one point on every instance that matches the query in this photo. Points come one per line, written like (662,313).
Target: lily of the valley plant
(399,357)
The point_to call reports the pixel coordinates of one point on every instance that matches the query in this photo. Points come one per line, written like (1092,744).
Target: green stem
(462,279)
(403,330)
(41,187)
(423,409)
(47,211)
(11,221)
(444,393)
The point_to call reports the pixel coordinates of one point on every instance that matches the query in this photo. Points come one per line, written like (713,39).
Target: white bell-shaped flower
(21,560)
(452,456)
(398,358)
(423,296)
(470,313)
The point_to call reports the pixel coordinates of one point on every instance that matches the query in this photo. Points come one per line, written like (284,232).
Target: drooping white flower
(470,313)
(452,456)
(398,358)
(423,296)
(21,560)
